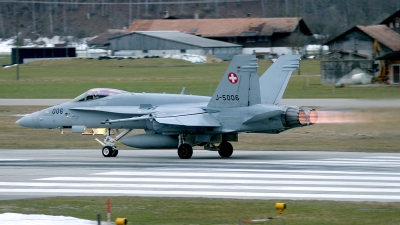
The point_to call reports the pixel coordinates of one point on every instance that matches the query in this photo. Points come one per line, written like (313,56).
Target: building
(393,62)
(26,54)
(358,42)
(393,21)
(102,41)
(354,49)
(163,43)
(248,32)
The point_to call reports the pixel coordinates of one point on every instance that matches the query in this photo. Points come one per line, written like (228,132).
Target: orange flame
(341,117)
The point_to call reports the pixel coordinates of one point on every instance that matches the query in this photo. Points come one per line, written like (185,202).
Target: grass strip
(171,211)
(67,78)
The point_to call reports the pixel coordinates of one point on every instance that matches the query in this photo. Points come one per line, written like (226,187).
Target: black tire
(115,153)
(107,151)
(225,149)
(185,151)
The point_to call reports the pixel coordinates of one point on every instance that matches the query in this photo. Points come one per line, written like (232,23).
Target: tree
(2,30)
(51,28)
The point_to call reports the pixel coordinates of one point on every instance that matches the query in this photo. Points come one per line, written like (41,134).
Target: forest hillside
(87,18)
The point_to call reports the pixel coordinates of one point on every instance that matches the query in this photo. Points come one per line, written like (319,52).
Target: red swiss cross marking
(233,78)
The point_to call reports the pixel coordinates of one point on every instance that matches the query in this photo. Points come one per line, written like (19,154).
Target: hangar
(248,32)
(163,43)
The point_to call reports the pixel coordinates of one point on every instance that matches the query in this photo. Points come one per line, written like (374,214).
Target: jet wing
(195,120)
(130,110)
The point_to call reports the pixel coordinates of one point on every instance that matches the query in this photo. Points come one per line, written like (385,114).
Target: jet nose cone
(25,121)
(29,120)
(18,122)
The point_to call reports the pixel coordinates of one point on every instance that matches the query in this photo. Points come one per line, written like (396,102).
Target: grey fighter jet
(242,103)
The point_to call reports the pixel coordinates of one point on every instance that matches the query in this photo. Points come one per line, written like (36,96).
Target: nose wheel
(109,148)
(108,151)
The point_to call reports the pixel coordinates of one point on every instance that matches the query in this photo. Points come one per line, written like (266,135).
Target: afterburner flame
(341,117)
(303,117)
(308,117)
(314,116)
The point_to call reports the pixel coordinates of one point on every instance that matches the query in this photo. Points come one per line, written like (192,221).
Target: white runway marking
(221,181)
(249,175)
(7,160)
(207,193)
(345,182)
(208,187)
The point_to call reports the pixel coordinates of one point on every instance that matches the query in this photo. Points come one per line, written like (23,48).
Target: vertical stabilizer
(240,84)
(274,81)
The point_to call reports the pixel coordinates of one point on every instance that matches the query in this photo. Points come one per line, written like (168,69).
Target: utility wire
(122,3)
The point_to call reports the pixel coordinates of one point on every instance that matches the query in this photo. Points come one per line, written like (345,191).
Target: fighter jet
(242,103)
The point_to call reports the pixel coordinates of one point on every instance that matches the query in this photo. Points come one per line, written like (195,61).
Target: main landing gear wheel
(109,151)
(225,149)
(185,151)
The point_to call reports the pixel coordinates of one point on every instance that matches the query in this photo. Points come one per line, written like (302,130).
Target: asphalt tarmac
(298,175)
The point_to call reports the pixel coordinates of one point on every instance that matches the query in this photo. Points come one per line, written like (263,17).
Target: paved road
(342,103)
(247,174)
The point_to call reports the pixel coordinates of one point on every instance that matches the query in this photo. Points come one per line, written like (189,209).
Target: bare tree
(263,2)
(93,6)
(146,8)
(2,30)
(216,9)
(181,7)
(130,12)
(286,8)
(55,12)
(103,9)
(65,29)
(34,18)
(51,19)
(159,7)
(138,10)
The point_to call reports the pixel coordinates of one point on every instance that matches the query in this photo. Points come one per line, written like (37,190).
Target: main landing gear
(109,148)
(225,149)
(185,150)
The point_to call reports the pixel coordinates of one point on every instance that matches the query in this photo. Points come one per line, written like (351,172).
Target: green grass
(145,210)
(67,78)
(5,59)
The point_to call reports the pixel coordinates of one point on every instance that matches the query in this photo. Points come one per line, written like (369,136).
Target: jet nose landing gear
(109,148)
(108,151)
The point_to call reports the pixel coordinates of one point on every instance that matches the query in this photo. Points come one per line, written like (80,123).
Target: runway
(246,175)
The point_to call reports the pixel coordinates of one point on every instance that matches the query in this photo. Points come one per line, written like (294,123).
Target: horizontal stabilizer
(274,81)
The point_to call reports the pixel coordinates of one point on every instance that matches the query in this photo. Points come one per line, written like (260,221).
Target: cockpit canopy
(97,93)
